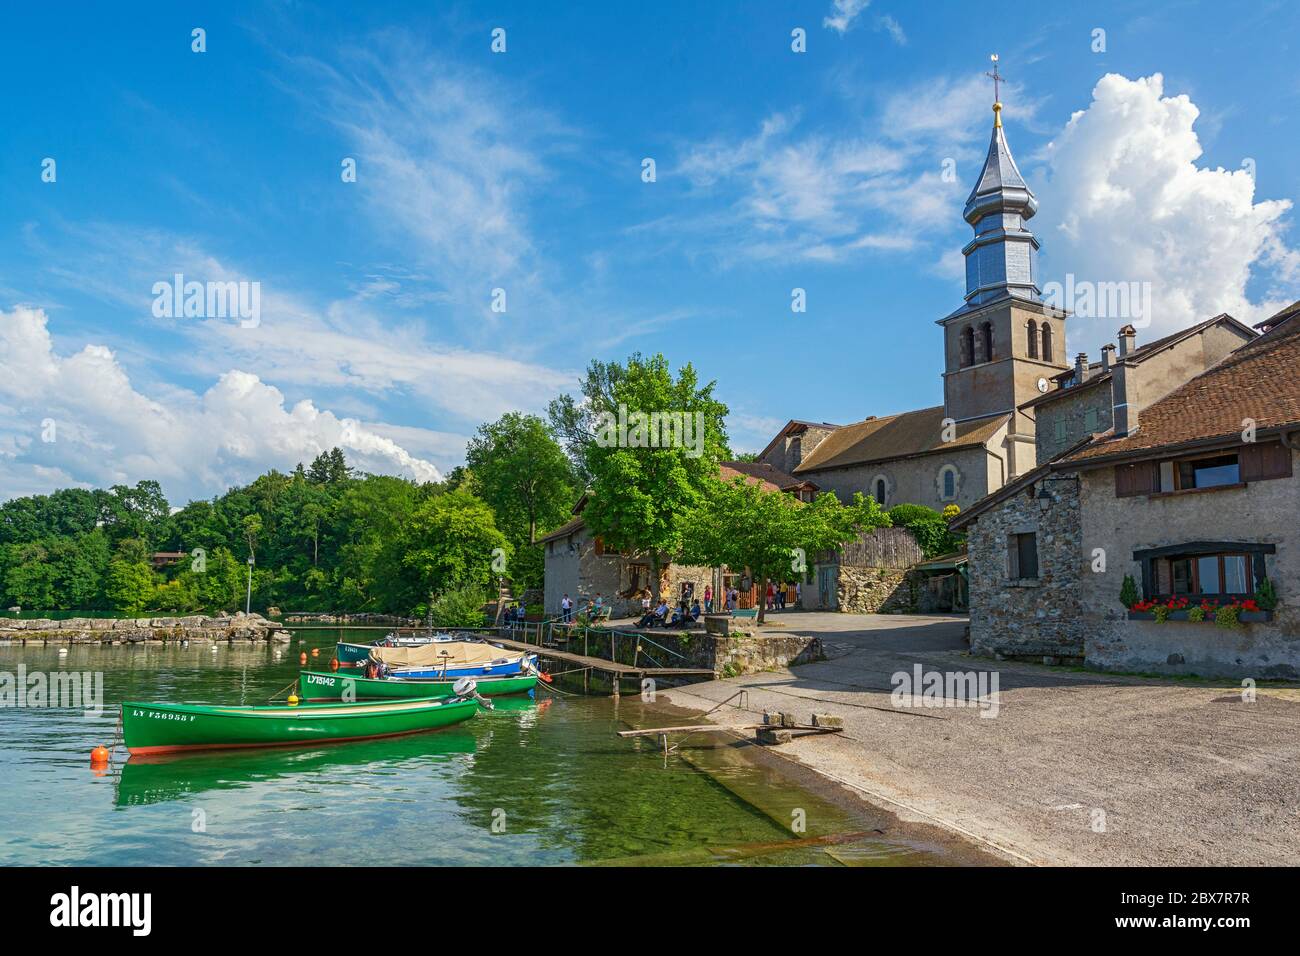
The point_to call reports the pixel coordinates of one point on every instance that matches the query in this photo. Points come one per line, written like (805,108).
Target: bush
(929,527)
(459,607)
(1266,595)
(1128,593)
(1226,617)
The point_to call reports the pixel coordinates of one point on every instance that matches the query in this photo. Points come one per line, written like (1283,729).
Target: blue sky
(522,171)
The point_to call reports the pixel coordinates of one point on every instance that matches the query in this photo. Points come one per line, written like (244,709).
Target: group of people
(593,609)
(687,611)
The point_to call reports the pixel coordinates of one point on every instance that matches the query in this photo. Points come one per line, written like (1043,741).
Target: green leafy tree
(459,607)
(523,474)
(641,485)
(773,535)
(450,541)
(130,584)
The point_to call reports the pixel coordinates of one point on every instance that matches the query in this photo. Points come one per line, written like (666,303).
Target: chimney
(1106,359)
(1081,368)
(1123,390)
(1127,341)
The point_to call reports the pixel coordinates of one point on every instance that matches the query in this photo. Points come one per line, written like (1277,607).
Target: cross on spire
(997,79)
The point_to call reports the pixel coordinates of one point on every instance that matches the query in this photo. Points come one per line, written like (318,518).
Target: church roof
(1000,185)
(762,471)
(906,435)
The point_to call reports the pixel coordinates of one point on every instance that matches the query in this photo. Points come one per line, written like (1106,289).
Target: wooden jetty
(615,670)
(776,728)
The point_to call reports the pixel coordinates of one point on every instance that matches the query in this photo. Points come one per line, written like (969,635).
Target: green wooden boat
(166,728)
(322,685)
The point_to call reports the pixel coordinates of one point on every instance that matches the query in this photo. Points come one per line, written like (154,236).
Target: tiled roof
(764,472)
(1259,381)
(563,531)
(896,436)
(790,427)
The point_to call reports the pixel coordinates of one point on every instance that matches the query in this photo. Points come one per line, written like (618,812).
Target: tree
(450,541)
(740,524)
(644,479)
(523,474)
(130,583)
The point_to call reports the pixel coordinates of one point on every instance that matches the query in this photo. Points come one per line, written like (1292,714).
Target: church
(1003,347)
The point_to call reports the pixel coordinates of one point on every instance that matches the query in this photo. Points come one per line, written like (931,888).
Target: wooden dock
(583,662)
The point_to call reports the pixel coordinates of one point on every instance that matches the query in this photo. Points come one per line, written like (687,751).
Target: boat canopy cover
(452,653)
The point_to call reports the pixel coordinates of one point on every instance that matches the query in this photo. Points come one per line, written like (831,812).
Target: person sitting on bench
(657,616)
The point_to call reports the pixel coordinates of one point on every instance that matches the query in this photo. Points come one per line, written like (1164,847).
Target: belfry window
(1047,342)
(986,341)
(1032,339)
(967,346)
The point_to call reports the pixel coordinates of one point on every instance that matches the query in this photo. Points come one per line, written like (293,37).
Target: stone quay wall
(195,628)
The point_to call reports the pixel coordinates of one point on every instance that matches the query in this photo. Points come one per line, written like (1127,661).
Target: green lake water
(542,781)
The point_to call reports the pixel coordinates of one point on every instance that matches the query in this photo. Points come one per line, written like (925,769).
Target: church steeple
(1002,259)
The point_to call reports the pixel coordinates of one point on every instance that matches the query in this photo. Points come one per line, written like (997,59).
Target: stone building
(1193,495)
(1000,348)
(578,563)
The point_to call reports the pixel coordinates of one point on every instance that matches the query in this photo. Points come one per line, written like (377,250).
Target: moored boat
(351,653)
(319,685)
(166,728)
(451,659)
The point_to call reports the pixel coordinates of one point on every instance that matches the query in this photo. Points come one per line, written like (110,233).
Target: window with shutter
(1261,461)
(1140,478)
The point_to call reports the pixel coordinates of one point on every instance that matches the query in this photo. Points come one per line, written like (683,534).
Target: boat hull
(511,668)
(316,685)
(170,728)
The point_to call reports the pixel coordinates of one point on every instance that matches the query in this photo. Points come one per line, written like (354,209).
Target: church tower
(1004,344)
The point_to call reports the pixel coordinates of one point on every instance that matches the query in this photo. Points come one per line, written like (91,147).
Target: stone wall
(197,629)
(875,590)
(1039,617)
(1261,512)
(918,480)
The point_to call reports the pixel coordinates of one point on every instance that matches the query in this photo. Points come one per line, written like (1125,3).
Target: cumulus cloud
(1126,201)
(106,431)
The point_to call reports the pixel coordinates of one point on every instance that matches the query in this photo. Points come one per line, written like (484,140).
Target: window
(1024,556)
(1047,343)
(1060,429)
(880,492)
(1215,574)
(1213,569)
(967,346)
(949,484)
(1207,472)
(1032,339)
(1090,420)
(986,341)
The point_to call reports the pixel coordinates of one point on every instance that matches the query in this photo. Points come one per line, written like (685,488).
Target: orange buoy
(334,664)
(293,700)
(545,677)
(99,756)
(302,658)
(315,652)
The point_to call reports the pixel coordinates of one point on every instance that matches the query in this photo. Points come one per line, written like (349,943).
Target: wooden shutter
(1141,478)
(1263,460)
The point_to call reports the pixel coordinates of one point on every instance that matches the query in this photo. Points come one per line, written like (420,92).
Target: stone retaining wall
(195,628)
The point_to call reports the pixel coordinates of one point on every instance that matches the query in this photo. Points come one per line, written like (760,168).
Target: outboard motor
(467,687)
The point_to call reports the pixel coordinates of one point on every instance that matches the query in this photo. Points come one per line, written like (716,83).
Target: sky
(503,228)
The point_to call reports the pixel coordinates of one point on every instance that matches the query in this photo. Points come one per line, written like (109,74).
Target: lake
(536,782)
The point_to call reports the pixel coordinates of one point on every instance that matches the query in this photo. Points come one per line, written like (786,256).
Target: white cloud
(105,431)
(889,25)
(1129,203)
(843,13)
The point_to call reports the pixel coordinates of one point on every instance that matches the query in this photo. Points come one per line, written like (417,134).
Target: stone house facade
(1194,496)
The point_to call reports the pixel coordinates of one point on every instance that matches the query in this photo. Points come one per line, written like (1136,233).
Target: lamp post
(248,602)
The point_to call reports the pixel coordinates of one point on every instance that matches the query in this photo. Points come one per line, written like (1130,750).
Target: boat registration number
(162,715)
